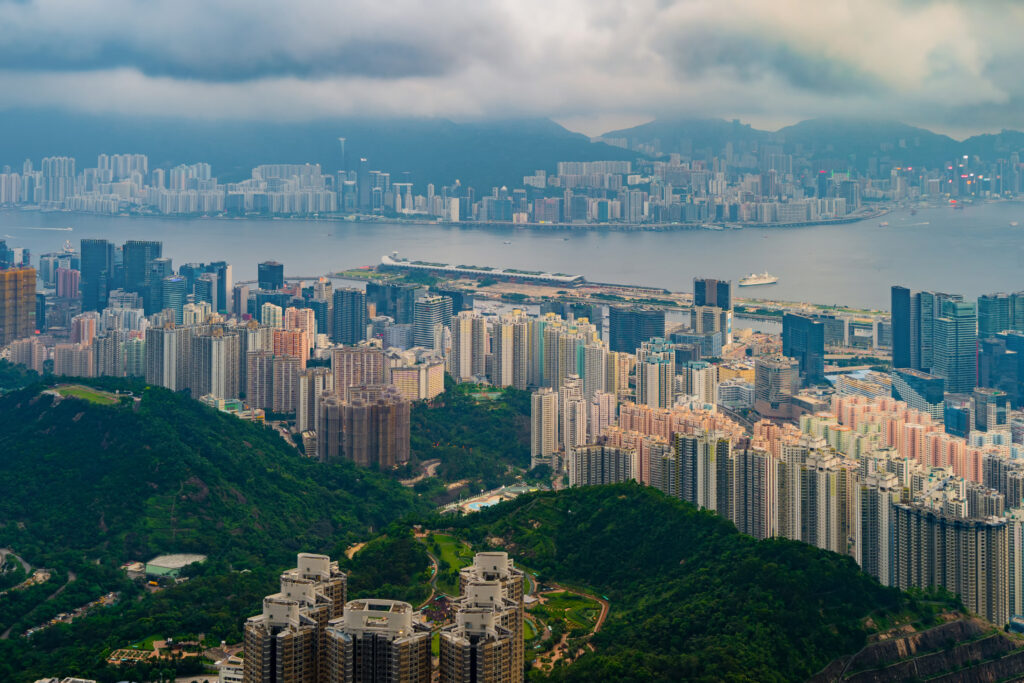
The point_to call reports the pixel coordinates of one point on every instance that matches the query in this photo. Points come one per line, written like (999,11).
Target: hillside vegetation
(167,474)
(692,598)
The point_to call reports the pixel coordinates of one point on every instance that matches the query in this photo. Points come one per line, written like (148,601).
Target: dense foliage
(14,376)
(85,487)
(692,599)
(167,474)
(394,566)
(476,438)
(214,604)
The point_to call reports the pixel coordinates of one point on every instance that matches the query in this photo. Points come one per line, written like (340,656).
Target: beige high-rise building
(287,643)
(468,358)
(419,380)
(968,557)
(312,383)
(214,364)
(603,414)
(655,382)
(543,426)
(371,428)
(286,379)
(259,390)
(168,356)
(512,350)
(29,352)
(377,641)
(573,411)
(594,465)
(329,444)
(595,369)
(73,360)
(873,536)
(560,343)
(477,586)
(356,366)
(756,492)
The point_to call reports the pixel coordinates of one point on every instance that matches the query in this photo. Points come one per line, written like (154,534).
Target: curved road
(4,552)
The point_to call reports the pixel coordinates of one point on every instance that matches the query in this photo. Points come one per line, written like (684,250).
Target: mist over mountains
(482,154)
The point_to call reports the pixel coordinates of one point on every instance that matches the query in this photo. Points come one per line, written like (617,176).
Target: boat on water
(1014,224)
(884,224)
(755,279)
(507,242)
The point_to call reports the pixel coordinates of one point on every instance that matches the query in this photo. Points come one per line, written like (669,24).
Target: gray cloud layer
(947,64)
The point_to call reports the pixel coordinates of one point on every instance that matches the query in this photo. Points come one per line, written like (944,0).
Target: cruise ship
(755,279)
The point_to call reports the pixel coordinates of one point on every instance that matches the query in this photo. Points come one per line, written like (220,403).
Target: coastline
(368,219)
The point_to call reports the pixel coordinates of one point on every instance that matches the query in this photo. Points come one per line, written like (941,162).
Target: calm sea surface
(972,251)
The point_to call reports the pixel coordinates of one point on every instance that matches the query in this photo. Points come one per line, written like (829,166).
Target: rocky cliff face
(967,650)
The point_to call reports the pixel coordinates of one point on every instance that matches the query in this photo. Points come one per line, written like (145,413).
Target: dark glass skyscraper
(712,292)
(174,296)
(270,275)
(994,314)
(803,338)
(956,346)
(627,327)
(905,318)
(914,316)
(349,315)
(138,262)
(97,269)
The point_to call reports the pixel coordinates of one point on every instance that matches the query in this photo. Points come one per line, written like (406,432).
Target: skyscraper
(543,426)
(627,327)
(97,271)
(431,314)
(956,346)
(963,555)
(487,569)
(593,465)
(370,428)
(270,275)
(287,642)
(776,381)
(995,314)
(138,264)
(991,407)
(803,338)
(162,268)
(17,304)
(356,366)
(712,292)
(173,296)
(377,640)
(469,346)
(349,315)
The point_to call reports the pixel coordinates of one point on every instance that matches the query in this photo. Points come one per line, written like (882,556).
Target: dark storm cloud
(943,62)
(709,49)
(382,59)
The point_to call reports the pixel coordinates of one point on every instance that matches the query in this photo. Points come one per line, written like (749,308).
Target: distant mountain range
(833,142)
(481,155)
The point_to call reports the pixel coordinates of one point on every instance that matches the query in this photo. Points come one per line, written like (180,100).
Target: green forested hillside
(692,598)
(85,487)
(476,439)
(167,474)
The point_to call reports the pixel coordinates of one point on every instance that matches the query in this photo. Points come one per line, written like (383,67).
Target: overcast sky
(590,64)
